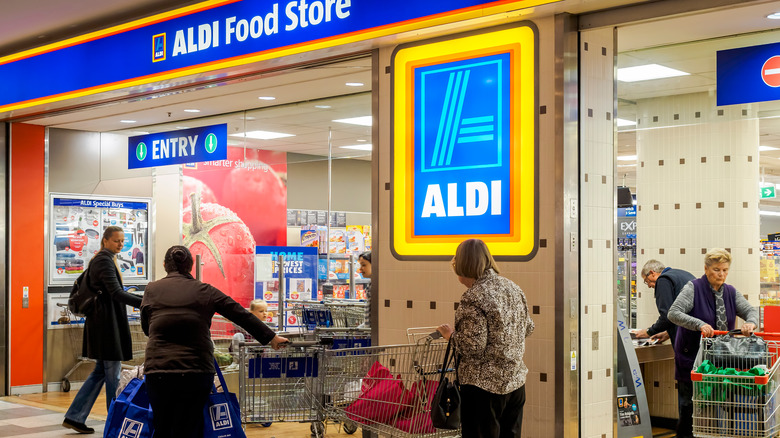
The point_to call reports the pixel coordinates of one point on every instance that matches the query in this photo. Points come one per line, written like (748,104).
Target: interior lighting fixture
(647,72)
(768,213)
(627,165)
(323,106)
(624,122)
(267,98)
(128,121)
(359,147)
(362,120)
(360,140)
(182,127)
(262,135)
(354,84)
(767,148)
(774,16)
(626,157)
(192,111)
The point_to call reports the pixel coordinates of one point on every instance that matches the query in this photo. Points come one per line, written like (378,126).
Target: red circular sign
(770,72)
(292,319)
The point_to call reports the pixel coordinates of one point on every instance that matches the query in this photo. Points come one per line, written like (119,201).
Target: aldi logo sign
(464,144)
(158,47)
(220,416)
(131,429)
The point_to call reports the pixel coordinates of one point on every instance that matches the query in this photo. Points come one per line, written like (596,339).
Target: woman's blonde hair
(473,259)
(716,256)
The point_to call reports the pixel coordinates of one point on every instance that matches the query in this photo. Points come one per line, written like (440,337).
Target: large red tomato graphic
(259,197)
(225,245)
(192,185)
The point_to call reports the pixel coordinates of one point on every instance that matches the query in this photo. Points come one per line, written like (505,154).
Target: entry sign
(767,192)
(207,143)
(748,74)
(464,144)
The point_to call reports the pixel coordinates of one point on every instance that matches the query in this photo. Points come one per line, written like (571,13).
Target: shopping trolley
(329,314)
(387,390)
(281,385)
(736,397)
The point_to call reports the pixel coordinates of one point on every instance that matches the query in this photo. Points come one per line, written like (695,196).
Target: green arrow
(140,151)
(211,143)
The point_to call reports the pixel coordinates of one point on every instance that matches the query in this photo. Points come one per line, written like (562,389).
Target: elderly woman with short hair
(703,306)
(491,325)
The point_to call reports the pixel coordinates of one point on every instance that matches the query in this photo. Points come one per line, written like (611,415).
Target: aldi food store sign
(464,146)
(207,143)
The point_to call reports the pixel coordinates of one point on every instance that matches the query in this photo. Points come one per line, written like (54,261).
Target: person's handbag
(130,414)
(222,414)
(445,409)
(83,297)
(728,351)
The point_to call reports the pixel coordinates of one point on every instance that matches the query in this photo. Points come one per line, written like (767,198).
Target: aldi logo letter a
(158,47)
(220,416)
(131,429)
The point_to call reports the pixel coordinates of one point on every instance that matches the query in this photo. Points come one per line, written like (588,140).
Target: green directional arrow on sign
(211,143)
(140,151)
(767,192)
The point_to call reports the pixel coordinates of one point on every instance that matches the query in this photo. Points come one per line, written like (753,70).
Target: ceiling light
(627,165)
(323,106)
(769,213)
(127,121)
(767,148)
(192,111)
(624,122)
(626,157)
(141,133)
(267,98)
(247,118)
(182,127)
(360,147)
(647,72)
(262,135)
(360,140)
(354,84)
(774,16)
(362,121)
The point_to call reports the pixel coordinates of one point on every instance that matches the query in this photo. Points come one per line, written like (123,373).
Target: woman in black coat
(106,331)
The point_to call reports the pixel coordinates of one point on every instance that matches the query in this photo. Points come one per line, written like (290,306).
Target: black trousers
(685,409)
(484,414)
(177,401)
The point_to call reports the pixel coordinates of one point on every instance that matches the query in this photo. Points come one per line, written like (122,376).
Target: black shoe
(78,427)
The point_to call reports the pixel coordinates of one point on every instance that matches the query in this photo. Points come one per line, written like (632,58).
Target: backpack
(82,299)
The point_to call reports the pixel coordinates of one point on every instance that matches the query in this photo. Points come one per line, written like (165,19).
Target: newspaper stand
(395,401)
(281,385)
(731,402)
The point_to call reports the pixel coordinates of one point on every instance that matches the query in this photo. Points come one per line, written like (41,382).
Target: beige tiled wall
(414,293)
(597,219)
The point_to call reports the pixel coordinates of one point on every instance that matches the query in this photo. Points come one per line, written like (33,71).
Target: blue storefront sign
(194,145)
(748,74)
(209,36)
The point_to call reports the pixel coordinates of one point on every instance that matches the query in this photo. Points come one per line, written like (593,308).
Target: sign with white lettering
(464,144)
(748,74)
(207,143)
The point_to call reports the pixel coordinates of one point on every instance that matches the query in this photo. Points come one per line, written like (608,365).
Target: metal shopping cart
(736,396)
(387,390)
(328,314)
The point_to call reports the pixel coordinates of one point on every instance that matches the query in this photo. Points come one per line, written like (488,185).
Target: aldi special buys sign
(464,146)
(207,143)
(213,35)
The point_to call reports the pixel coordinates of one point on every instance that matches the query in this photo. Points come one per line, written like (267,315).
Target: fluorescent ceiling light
(647,72)
(267,98)
(766,148)
(362,121)
(774,16)
(262,135)
(127,121)
(323,106)
(192,111)
(360,147)
(360,140)
(627,165)
(182,127)
(141,132)
(769,213)
(626,157)
(354,84)
(247,118)
(624,122)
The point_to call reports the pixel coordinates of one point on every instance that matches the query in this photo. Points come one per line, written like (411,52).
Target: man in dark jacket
(106,331)
(667,283)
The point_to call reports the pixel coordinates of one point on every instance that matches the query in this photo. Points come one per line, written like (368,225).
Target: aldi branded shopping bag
(222,415)
(130,414)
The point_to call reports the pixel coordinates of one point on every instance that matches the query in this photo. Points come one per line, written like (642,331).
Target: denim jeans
(105,371)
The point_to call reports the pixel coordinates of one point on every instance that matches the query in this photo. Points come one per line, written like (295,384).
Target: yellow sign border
(521,40)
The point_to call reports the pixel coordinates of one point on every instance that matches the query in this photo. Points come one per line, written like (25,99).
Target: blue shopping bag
(222,415)
(130,414)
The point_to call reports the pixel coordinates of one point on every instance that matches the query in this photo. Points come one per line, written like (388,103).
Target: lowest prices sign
(299,267)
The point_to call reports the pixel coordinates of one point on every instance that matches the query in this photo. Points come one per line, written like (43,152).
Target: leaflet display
(77,223)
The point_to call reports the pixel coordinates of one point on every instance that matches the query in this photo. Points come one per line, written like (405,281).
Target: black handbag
(83,298)
(445,408)
(727,351)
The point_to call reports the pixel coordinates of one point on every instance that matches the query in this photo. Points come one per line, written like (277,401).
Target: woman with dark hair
(106,331)
(491,325)
(364,259)
(176,315)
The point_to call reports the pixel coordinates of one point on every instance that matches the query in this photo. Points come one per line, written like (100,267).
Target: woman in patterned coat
(491,325)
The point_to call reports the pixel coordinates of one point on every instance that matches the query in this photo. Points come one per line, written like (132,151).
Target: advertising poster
(243,203)
(77,226)
(300,272)
(628,413)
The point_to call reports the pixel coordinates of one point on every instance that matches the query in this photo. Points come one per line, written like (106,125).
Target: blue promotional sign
(300,272)
(213,35)
(194,145)
(748,74)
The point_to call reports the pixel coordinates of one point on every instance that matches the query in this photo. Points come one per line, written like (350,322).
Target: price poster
(77,223)
(300,272)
